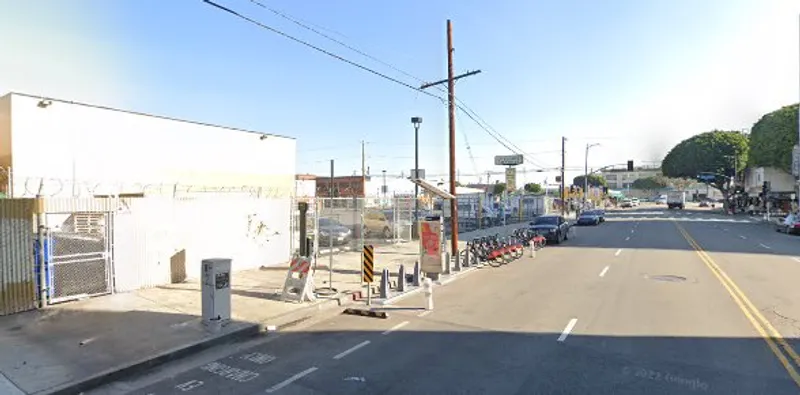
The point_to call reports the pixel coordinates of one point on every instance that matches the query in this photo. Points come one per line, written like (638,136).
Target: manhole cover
(668,277)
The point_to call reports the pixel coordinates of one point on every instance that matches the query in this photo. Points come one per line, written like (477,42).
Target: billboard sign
(508,160)
(430,246)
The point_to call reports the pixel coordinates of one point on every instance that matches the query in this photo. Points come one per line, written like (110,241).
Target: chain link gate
(80,255)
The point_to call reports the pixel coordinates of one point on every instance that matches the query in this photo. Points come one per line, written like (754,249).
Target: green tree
(772,139)
(595,180)
(533,187)
(499,188)
(715,152)
(650,183)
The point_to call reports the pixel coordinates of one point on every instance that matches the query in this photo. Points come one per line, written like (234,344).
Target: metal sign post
(368,270)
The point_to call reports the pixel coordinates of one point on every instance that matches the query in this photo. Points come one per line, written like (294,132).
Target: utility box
(216,292)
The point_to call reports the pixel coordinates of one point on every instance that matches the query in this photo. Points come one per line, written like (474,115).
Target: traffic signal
(558,178)
(630,165)
(766,187)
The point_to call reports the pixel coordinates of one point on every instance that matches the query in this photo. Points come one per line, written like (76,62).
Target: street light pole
(384,189)
(416,121)
(586,172)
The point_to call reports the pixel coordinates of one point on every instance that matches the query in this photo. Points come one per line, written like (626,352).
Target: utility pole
(563,165)
(362,204)
(451,106)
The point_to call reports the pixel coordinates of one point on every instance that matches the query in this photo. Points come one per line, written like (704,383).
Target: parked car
(376,224)
(626,203)
(332,230)
(635,202)
(792,228)
(554,228)
(588,218)
(600,213)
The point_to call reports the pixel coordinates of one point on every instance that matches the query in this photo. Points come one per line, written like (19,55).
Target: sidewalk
(74,346)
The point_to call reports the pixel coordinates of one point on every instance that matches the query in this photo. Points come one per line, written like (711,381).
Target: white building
(73,149)
(64,150)
(622,178)
(780,181)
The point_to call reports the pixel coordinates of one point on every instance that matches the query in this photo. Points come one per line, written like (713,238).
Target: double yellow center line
(771,336)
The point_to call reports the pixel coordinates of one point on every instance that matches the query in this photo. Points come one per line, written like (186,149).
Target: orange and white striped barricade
(299,284)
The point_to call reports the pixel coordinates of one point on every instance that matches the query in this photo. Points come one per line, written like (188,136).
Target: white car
(661,200)
(626,203)
(635,202)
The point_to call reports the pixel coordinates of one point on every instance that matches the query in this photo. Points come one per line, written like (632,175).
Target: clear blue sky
(636,76)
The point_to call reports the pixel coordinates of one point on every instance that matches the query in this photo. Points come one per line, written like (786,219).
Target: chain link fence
(80,255)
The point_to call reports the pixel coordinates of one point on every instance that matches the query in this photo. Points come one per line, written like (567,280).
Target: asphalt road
(652,301)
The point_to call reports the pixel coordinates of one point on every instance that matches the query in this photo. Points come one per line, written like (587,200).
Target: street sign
(508,160)
(796,161)
(420,175)
(368,264)
(511,179)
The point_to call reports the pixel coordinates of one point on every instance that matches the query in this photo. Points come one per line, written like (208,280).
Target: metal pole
(330,238)
(360,207)
(585,174)
(798,111)
(451,99)
(563,191)
(415,224)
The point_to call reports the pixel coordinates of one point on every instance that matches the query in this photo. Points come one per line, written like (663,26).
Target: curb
(113,374)
(248,330)
(438,283)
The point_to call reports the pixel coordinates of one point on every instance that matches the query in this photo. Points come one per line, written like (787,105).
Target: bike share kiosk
(216,293)
(432,247)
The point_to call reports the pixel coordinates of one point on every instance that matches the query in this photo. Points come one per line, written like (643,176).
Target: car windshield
(546,221)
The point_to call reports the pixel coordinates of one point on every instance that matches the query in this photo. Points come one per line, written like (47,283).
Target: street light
(416,121)
(586,171)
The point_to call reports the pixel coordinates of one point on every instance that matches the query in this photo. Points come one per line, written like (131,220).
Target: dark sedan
(553,227)
(331,230)
(588,218)
(601,214)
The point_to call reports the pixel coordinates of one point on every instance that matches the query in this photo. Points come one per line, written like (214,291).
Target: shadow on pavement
(491,362)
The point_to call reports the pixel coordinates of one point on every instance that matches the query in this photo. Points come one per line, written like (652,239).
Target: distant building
(622,178)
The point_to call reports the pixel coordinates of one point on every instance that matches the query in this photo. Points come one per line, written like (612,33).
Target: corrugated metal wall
(17,273)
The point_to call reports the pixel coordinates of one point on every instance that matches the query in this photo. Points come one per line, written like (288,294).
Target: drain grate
(668,277)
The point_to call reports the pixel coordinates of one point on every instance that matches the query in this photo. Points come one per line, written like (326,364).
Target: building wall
(305,188)
(112,149)
(162,240)
(622,179)
(780,180)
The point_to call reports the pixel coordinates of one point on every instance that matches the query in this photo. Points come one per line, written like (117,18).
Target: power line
(462,106)
(318,49)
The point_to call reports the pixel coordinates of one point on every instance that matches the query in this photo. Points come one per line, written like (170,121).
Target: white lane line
(627,238)
(603,273)
(351,349)
(725,229)
(765,246)
(424,313)
(619,251)
(633,230)
(394,328)
(567,330)
(292,379)
(742,237)
(796,259)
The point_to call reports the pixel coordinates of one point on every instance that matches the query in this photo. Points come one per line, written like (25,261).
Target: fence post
(41,240)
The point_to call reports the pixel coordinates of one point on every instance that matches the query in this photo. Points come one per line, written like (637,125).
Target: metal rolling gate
(79,246)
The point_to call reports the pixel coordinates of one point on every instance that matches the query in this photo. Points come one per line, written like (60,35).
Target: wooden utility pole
(451,106)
